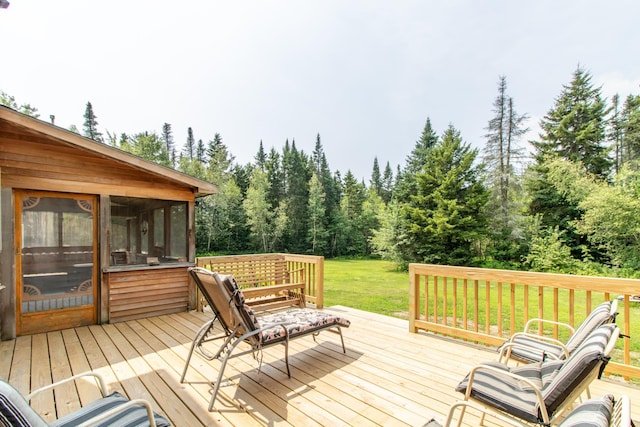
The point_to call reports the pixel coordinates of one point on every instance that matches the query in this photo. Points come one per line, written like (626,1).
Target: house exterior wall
(32,160)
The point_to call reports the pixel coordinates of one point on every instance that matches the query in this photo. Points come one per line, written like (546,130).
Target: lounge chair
(112,410)
(528,347)
(539,392)
(240,324)
(601,411)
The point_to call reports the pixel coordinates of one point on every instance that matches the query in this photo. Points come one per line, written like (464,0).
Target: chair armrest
(549,322)
(101,384)
(538,392)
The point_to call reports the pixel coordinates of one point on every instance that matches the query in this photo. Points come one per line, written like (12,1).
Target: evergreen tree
(406,182)
(317,234)
(261,157)
(350,237)
(615,133)
(330,188)
(201,152)
(275,176)
(630,124)
(446,217)
(167,138)
(574,129)
(220,160)
(376,177)
(296,178)
(190,147)
(504,130)
(90,127)
(387,184)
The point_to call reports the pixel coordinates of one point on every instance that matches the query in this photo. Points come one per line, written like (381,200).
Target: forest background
(566,202)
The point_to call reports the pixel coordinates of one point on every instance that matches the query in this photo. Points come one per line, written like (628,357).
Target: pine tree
(201,152)
(376,177)
(261,157)
(406,183)
(574,129)
(90,126)
(501,150)
(387,184)
(446,218)
(190,147)
(296,196)
(167,138)
(317,234)
(220,160)
(630,124)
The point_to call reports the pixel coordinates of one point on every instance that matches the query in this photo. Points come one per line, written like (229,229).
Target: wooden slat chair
(240,324)
(601,411)
(539,392)
(112,410)
(528,347)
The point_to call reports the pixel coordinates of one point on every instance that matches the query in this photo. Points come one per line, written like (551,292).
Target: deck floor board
(388,377)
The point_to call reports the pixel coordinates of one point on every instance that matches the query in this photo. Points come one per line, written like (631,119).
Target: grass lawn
(370,285)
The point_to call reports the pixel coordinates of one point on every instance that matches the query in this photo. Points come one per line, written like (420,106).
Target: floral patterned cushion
(298,321)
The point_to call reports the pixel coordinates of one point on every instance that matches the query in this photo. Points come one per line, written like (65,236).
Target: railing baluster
(562,297)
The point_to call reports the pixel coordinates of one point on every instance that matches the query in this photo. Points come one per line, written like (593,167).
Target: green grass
(370,285)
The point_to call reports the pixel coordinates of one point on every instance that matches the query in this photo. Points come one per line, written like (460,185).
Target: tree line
(567,201)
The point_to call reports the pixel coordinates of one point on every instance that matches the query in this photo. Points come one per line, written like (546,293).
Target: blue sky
(364,74)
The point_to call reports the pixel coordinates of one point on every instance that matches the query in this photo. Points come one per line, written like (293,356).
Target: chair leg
(196,341)
(286,355)
(344,349)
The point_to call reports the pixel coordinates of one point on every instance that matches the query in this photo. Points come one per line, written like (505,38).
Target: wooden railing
(303,268)
(486,306)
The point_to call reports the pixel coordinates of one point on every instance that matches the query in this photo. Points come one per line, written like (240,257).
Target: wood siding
(143,293)
(31,161)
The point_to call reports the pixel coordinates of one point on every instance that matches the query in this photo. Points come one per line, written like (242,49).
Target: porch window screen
(147,231)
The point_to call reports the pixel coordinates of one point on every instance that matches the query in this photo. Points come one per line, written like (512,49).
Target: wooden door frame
(73,316)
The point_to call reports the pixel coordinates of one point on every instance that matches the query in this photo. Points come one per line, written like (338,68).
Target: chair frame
(232,336)
(104,391)
(505,349)
(620,415)
(547,418)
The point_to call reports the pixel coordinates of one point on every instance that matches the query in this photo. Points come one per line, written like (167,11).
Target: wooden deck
(389,377)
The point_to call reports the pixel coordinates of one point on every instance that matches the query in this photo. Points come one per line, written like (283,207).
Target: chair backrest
(603,313)
(208,286)
(227,301)
(581,368)
(15,410)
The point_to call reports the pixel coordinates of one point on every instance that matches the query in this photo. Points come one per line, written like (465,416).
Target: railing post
(414,298)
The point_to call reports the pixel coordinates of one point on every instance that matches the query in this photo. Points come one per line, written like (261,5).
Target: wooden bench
(267,280)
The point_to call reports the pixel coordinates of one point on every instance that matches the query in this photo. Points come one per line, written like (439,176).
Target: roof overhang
(18,120)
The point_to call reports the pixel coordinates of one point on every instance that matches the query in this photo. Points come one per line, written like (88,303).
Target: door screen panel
(57,252)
